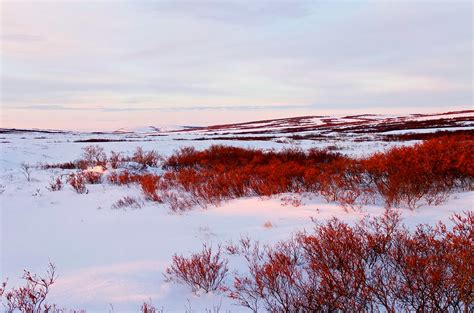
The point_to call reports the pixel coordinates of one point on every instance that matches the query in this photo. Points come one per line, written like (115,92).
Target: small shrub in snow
(148,307)
(92,177)
(293,200)
(77,182)
(178,201)
(268,225)
(56,184)
(127,202)
(94,155)
(32,296)
(146,158)
(115,159)
(205,270)
(26,169)
(117,178)
(64,166)
(123,178)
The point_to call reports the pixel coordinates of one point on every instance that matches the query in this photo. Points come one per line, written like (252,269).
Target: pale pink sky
(106,65)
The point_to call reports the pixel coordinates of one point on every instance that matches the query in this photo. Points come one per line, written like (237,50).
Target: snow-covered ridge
(364,127)
(309,122)
(357,127)
(369,122)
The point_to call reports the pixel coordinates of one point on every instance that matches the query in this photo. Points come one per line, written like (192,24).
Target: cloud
(46,107)
(20,38)
(239,12)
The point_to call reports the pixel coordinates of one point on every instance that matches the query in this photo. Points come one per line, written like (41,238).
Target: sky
(110,64)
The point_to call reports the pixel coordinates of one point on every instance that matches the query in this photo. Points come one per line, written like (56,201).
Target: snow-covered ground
(116,257)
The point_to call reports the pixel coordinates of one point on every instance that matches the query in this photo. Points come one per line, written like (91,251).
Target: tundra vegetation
(409,176)
(377,264)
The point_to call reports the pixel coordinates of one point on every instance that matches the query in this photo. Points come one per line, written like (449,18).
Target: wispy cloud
(41,107)
(25,38)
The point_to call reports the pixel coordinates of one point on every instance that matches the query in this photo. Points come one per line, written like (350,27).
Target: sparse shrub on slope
(115,159)
(64,166)
(148,307)
(205,270)
(146,158)
(92,177)
(127,202)
(32,296)
(94,155)
(26,169)
(56,184)
(78,182)
(123,178)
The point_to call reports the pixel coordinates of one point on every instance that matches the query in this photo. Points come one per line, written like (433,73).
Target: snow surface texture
(108,256)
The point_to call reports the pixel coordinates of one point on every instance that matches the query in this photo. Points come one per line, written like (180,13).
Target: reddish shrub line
(424,136)
(427,172)
(424,173)
(94,155)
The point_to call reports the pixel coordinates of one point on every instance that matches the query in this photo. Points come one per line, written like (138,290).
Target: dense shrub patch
(424,173)
(430,170)
(375,265)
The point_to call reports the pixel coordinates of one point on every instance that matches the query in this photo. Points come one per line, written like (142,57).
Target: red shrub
(146,159)
(123,178)
(78,182)
(56,184)
(127,202)
(32,296)
(430,170)
(113,178)
(343,181)
(92,177)
(425,173)
(115,159)
(149,184)
(148,308)
(178,201)
(460,253)
(94,155)
(64,166)
(204,270)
